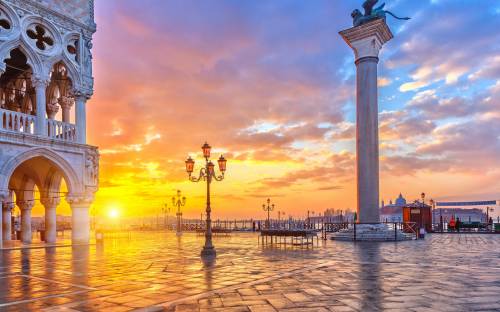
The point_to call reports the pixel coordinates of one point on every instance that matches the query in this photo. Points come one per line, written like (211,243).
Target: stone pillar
(66,103)
(7,219)
(3,197)
(40,85)
(366,40)
(81,119)
(26,207)
(80,219)
(50,205)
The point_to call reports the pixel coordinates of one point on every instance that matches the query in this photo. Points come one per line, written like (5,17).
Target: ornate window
(40,36)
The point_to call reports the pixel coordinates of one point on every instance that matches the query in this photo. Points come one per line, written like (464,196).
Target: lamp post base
(178,233)
(208,252)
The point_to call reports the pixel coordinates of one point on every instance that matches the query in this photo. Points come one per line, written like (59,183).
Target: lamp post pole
(179,202)
(433,212)
(268,208)
(207,173)
(165,210)
(488,209)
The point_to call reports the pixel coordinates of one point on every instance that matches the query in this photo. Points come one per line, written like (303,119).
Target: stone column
(40,85)
(81,119)
(26,207)
(50,205)
(66,103)
(80,219)
(3,197)
(366,40)
(7,219)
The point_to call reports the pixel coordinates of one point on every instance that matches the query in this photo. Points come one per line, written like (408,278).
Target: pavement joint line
(41,298)
(50,281)
(205,294)
(44,246)
(169,304)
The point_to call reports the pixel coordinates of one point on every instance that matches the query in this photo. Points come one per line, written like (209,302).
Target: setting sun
(114,213)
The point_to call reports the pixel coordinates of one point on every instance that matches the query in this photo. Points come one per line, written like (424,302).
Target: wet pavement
(158,271)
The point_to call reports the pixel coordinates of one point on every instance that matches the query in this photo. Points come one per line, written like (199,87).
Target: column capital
(80,95)
(40,81)
(80,200)
(50,202)
(7,206)
(5,196)
(52,109)
(65,102)
(25,204)
(366,40)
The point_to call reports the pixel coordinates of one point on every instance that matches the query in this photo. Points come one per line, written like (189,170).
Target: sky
(271,85)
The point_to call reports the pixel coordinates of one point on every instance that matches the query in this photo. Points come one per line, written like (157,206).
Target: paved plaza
(160,272)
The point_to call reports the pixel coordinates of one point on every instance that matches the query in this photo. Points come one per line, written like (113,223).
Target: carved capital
(81,95)
(50,202)
(25,204)
(52,109)
(80,200)
(65,102)
(5,196)
(40,81)
(8,206)
(367,40)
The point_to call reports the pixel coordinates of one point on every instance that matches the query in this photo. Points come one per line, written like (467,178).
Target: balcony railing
(61,130)
(23,123)
(17,122)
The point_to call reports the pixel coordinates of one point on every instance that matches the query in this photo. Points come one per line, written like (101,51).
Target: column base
(208,252)
(372,232)
(178,233)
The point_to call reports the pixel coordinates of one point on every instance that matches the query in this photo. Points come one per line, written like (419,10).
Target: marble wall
(80,10)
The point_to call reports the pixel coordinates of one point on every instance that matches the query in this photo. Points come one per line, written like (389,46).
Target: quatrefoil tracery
(4,22)
(40,37)
(72,48)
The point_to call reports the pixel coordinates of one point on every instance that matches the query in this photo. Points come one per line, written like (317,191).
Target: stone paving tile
(158,271)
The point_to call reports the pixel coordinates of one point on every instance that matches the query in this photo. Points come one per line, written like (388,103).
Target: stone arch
(66,170)
(72,71)
(33,59)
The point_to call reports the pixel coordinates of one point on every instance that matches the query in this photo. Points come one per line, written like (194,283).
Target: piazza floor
(160,272)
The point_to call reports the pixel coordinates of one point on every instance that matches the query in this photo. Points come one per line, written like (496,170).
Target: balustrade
(61,130)
(23,123)
(17,122)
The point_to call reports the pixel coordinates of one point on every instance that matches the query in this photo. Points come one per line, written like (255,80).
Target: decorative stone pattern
(52,40)
(77,9)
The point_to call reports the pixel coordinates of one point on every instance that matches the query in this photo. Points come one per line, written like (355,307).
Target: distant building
(465,215)
(393,212)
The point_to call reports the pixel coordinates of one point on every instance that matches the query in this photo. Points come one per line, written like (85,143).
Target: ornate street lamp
(268,208)
(179,202)
(207,173)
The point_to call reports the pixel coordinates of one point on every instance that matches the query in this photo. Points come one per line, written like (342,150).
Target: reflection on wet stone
(161,271)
